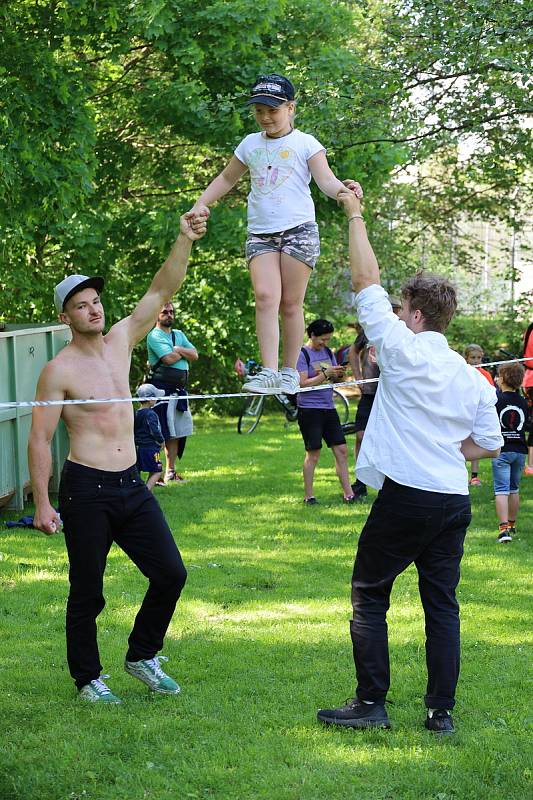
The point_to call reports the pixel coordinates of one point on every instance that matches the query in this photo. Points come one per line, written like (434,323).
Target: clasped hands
(351,193)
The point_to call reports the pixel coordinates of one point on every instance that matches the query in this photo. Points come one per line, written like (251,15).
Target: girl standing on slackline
(283,244)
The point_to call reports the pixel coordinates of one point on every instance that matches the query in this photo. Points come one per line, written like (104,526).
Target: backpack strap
(157,363)
(308,360)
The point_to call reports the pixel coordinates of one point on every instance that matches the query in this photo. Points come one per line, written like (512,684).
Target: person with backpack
(169,355)
(317,416)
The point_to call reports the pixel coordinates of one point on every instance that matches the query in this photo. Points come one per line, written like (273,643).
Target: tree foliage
(116,114)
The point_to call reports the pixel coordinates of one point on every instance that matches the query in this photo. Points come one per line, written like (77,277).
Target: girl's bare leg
(294,279)
(266,281)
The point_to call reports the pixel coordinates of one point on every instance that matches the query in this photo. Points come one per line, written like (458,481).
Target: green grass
(259,641)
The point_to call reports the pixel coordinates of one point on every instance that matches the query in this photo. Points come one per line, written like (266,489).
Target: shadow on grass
(245,725)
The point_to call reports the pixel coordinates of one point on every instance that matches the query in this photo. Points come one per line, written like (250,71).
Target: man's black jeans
(97,509)
(408,525)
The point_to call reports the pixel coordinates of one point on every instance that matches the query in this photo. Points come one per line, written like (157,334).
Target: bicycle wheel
(288,406)
(342,406)
(251,414)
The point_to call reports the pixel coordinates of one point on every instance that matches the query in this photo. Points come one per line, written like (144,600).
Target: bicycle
(255,405)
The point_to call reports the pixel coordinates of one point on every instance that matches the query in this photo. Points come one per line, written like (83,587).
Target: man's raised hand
(350,202)
(354,187)
(193,225)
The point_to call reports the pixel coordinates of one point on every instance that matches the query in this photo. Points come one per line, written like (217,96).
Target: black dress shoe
(356,714)
(440,721)
(359,490)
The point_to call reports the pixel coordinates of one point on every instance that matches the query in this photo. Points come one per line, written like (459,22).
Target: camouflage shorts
(301,242)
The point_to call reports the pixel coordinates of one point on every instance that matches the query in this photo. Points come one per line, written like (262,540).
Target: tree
(116,114)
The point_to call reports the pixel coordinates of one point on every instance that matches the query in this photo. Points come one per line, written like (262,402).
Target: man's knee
(84,604)
(172,579)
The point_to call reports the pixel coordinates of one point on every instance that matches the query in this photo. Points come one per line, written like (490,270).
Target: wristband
(355,216)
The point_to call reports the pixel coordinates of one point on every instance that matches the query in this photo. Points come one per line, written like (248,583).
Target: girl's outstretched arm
(221,185)
(326,180)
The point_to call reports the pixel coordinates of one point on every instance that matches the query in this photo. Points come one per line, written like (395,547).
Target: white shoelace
(100,686)
(154,662)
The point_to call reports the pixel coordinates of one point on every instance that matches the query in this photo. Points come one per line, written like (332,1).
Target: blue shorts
(507,470)
(149,460)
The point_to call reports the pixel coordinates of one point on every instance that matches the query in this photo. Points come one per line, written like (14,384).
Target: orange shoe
(528,470)
(474,482)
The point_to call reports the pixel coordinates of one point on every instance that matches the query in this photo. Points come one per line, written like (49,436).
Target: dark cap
(72,285)
(271,90)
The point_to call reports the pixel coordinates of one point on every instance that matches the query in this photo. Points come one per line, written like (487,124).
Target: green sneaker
(149,672)
(97,692)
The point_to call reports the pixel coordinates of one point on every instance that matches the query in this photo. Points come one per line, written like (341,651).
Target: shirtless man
(101,497)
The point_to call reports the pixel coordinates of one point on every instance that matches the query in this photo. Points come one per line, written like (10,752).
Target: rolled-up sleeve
(380,324)
(486,431)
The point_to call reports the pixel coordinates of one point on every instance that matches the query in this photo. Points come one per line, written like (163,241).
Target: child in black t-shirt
(148,435)
(513,411)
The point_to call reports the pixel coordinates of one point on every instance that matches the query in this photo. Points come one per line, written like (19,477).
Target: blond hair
(473,348)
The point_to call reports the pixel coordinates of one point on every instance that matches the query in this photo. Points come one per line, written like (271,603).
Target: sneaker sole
(99,701)
(256,390)
(354,723)
(505,539)
(439,733)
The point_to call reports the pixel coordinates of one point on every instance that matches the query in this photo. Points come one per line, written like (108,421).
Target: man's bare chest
(93,378)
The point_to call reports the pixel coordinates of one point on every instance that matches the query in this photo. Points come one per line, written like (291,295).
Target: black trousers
(408,525)
(98,508)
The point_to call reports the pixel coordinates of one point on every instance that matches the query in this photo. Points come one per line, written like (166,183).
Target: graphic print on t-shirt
(512,419)
(269,169)
(322,363)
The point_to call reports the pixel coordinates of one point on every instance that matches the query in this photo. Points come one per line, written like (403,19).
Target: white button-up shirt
(428,401)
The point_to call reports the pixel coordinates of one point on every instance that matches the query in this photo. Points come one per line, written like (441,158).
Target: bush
(491,333)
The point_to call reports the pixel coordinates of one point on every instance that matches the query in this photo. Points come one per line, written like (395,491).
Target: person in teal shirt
(169,352)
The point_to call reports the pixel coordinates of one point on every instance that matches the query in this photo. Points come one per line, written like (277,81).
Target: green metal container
(24,350)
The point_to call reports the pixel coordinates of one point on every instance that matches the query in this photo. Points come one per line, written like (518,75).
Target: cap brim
(95,282)
(266,100)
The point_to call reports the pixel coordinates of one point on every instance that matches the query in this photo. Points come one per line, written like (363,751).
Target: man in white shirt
(432,411)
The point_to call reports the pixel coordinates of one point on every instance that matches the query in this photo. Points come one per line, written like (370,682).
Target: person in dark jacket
(148,435)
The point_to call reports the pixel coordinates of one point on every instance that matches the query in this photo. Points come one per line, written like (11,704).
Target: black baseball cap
(271,90)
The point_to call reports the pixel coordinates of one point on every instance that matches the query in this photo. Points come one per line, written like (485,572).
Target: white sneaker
(290,380)
(267,381)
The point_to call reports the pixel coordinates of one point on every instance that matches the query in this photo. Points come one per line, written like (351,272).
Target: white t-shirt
(428,401)
(279,174)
